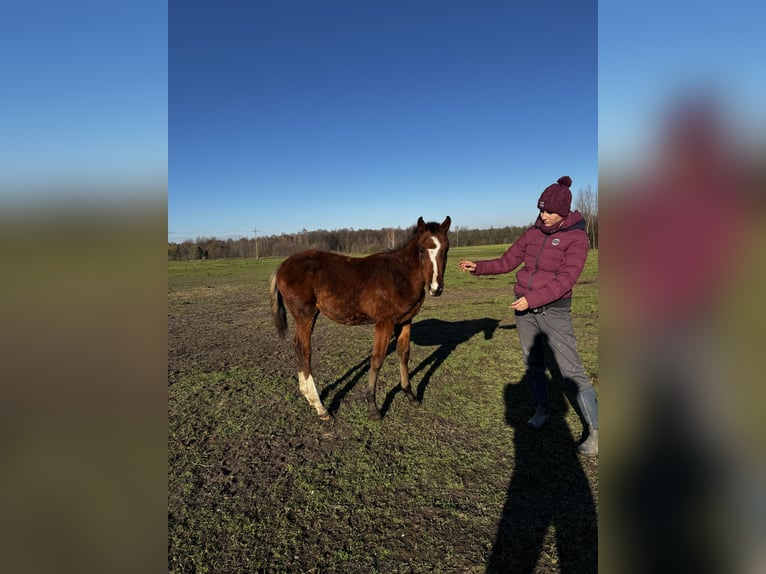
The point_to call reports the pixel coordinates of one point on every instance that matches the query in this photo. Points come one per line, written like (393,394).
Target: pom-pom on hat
(557,198)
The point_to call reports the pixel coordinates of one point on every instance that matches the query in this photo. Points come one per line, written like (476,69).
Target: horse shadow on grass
(444,335)
(548,491)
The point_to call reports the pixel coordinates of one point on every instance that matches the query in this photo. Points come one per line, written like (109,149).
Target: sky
(655,55)
(297,115)
(83,102)
(285,115)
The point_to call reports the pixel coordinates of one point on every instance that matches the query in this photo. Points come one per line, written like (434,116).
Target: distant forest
(363,241)
(356,241)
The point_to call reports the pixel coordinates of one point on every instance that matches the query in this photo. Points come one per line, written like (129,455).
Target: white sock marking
(309,390)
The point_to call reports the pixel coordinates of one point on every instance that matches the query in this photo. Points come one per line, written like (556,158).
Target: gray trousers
(553,328)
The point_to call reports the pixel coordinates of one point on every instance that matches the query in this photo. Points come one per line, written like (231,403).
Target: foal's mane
(431,226)
(412,232)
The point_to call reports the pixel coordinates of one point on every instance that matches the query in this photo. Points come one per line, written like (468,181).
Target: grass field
(257,483)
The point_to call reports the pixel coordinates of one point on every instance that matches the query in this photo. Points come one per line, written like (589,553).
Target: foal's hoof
(327,417)
(375,415)
(412,398)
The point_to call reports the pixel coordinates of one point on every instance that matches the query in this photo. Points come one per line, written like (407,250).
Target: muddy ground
(258,484)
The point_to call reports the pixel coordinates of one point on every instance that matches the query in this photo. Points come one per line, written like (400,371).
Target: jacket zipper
(537,260)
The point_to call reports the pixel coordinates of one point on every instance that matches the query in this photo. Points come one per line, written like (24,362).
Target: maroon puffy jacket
(553,260)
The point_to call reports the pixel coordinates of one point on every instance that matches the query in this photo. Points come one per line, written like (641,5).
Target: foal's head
(433,245)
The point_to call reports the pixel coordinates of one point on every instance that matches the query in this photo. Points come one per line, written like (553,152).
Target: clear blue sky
(304,114)
(654,54)
(284,115)
(83,103)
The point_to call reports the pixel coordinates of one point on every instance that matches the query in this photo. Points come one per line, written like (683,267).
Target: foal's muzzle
(438,291)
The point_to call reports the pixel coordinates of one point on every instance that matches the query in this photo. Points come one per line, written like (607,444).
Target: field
(257,483)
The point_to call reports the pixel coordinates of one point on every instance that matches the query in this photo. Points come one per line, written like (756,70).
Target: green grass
(258,484)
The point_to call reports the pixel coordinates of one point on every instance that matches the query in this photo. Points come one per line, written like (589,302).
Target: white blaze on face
(432,253)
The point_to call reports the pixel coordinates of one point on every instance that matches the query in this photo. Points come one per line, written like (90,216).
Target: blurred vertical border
(682,150)
(83,314)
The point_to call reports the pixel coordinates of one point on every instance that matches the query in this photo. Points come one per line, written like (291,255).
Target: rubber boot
(539,418)
(589,447)
(588,404)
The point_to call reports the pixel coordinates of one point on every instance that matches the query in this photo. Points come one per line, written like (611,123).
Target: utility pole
(256,243)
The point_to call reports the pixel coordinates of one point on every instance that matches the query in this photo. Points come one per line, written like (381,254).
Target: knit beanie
(557,198)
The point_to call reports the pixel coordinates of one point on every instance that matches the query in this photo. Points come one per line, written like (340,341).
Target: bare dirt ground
(258,484)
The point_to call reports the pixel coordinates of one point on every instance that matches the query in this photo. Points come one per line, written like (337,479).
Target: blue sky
(284,115)
(655,54)
(84,97)
(303,114)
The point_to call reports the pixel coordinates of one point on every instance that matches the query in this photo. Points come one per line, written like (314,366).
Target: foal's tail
(277,306)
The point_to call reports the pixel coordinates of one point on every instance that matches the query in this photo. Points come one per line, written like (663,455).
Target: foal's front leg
(403,349)
(379,347)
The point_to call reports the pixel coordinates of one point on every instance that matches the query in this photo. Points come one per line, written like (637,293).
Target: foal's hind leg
(303,329)
(403,348)
(379,347)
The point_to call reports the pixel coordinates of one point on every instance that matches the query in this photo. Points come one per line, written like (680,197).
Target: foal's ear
(444,227)
(421,224)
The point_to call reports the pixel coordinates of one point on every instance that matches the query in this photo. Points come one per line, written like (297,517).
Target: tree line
(362,241)
(356,241)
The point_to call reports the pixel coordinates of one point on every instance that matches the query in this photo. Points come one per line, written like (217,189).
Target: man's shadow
(548,490)
(444,335)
